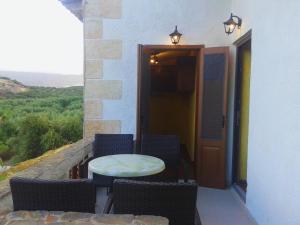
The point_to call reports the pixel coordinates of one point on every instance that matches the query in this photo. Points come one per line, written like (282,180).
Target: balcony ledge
(52,165)
(43,217)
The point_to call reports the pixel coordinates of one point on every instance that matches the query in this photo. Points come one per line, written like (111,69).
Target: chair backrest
(175,201)
(68,195)
(109,144)
(165,147)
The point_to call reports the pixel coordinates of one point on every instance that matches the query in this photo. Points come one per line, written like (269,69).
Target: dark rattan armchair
(167,148)
(110,144)
(68,195)
(175,201)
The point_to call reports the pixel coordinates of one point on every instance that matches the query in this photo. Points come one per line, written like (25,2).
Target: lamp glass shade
(175,36)
(231,24)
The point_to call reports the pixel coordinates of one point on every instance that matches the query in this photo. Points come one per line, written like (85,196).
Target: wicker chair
(167,148)
(110,144)
(68,195)
(175,201)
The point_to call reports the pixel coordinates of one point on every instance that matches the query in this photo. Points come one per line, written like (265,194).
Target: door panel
(211,159)
(143,94)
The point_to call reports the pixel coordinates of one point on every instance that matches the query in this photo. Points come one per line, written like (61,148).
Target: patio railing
(62,164)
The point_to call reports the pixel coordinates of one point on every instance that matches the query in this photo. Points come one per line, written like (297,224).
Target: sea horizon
(37,79)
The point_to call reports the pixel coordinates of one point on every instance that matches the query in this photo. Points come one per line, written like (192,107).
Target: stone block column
(97,49)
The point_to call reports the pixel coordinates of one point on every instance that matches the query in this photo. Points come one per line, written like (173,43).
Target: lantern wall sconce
(233,22)
(175,36)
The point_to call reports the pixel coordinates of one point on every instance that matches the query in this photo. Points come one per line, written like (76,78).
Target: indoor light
(153,59)
(233,22)
(175,36)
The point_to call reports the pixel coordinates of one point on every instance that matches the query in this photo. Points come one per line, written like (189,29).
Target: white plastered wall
(150,22)
(273,196)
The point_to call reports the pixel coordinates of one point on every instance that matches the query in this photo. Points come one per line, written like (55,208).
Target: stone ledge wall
(54,166)
(68,218)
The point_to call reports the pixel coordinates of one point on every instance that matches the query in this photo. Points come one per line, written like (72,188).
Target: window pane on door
(213,88)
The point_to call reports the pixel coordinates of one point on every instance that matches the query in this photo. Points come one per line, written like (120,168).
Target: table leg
(90,175)
(108,204)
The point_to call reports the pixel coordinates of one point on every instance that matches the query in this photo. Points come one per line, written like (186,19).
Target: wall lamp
(233,22)
(175,36)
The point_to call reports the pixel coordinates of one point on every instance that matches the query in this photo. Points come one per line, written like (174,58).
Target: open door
(211,144)
(143,94)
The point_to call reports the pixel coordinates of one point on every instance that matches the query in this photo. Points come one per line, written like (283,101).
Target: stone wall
(97,49)
(43,217)
(54,166)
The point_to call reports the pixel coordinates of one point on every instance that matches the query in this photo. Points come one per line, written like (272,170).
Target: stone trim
(103,49)
(93,109)
(93,69)
(93,28)
(96,51)
(103,89)
(92,127)
(110,9)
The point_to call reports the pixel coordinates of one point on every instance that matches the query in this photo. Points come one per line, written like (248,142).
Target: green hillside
(37,120)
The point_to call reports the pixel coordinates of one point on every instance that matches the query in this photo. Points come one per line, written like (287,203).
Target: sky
(40,36)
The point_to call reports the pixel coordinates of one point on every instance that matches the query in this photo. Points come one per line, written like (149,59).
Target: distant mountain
(44,79)
(8,86)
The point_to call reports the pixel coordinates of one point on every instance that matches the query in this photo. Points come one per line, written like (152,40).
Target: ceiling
(74,6)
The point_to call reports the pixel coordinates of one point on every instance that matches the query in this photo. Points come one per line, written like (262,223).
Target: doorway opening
(172,100)
(182,90)
(241,113)
(169,96)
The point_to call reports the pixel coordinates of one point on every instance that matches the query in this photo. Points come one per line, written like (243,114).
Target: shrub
(5,153)
(32,128)
(51,140)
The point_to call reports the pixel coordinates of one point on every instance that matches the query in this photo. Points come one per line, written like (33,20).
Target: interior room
(172,96)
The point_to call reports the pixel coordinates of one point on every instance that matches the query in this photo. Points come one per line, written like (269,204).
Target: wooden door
(211,156)
(143,94)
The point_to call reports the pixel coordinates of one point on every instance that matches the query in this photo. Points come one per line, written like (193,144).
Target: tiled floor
(222,207)
(215,207)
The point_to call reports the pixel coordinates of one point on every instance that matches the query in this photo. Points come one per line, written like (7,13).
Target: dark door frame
(199,66)
(238,44)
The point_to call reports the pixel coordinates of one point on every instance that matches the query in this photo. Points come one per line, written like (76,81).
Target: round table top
(126,165)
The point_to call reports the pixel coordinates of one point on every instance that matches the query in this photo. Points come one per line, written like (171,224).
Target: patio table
(126,165)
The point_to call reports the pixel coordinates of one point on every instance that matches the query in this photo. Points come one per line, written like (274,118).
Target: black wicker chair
(68,195)
(175,201)
(167,148)
(110,144)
